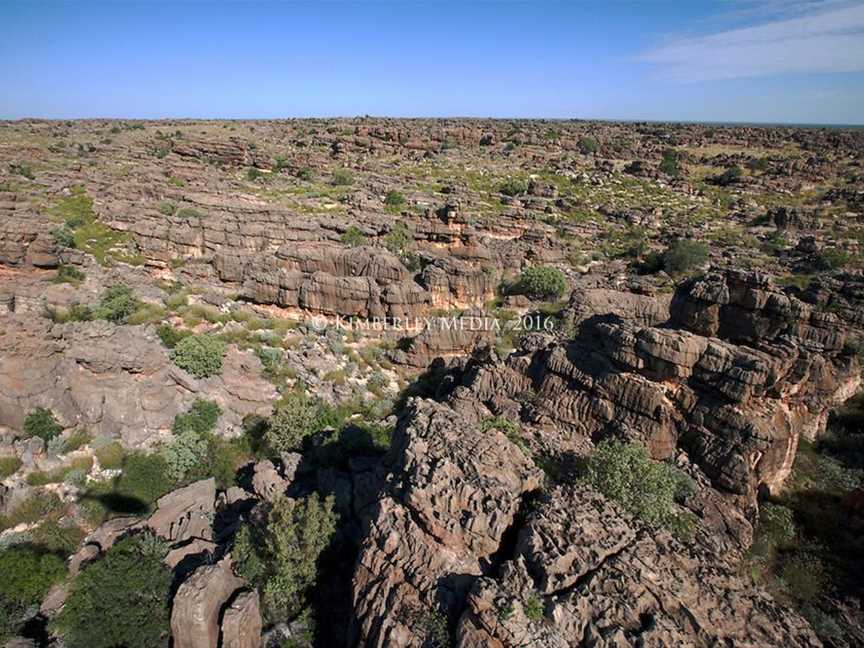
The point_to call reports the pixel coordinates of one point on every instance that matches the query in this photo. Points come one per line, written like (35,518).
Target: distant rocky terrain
(379,382)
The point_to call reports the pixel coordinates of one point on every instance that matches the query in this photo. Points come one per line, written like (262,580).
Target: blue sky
(771,61)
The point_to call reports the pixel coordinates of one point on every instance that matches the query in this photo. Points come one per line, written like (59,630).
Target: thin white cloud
(829,41)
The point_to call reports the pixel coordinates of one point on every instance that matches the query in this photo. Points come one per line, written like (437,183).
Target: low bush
(625,473)
(201,417)
(670,163)
(281,559)
(398,239)
(831,259)
(776,530)
(190,449)
(587,145)
(117,304)
(69,274)
(394,199)
(36,508)
(59,538)
(542,282)
(200,355)
(684,255)
(305,174)
(110,455)
(145,478)
(513,187)
(253,174)
(9,466)
(120,600)
(170,335)
(296,417)
(353,236)
(41,423)
(342,178)
(28,574)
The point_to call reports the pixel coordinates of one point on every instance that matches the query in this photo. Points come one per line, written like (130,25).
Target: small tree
(587,145)
(282,559)
(394,199)
(41,423)
(669,164)
(684,255)
(625,473)
(120,600)
(542,282)
(296,417)
(117,304)
(200,355)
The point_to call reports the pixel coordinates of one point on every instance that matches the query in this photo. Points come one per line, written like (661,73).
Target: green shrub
(36,508)
(776,529)
(188,213)
(625,473)
(69,274)
(200,355)
(78,439)
(533,608)
(353,236)
(513,187)
(64,236)
(342,178)
(41,423)
(831,259)
(144,479)
(587,145)
(28,574)
(296,417)
(184,453)
(53,537)
(120,600)
(804,576)
(279,162)
(170,336)
(670,163)
(542,282)
(282,558)
(684,255)
(110,456)
(117,304)
(9,466)
(167,208)
(398,239)
(305,174)
(252,174)
(201,417)
(394,199)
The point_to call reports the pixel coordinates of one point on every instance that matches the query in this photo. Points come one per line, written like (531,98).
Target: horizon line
(611,120)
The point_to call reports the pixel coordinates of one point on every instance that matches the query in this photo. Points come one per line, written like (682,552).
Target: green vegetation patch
(648,489)
(120,600)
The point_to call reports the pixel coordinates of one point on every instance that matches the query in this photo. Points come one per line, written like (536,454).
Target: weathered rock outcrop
(453,494)
(116,380)
(602,580)
(197,608)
